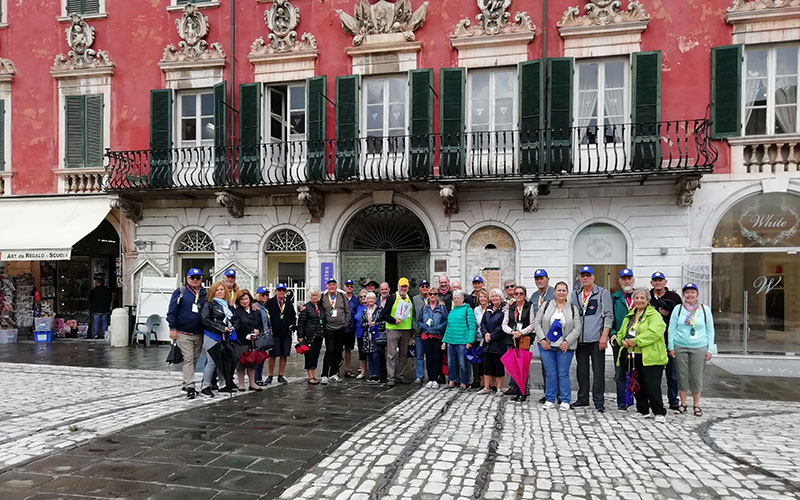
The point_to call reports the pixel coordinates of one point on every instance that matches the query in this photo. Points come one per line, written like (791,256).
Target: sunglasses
(510,286)
(350,285)
(433,294)
(195,277)
(519,293)
(362,296)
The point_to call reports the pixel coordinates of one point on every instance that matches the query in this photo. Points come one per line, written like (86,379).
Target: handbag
(525,342)
(264,342)
(175,355)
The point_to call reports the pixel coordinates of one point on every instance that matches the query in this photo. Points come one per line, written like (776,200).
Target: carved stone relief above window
(284,57)
(604,29)
(81,58)
(383,35)
(764,21)
(494,40)
(194,63)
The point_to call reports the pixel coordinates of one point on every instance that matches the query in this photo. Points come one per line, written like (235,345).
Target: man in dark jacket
(623,303)
(186,326)
(664,301)
(100,305)
(349,342)
(541,295)
(284,321)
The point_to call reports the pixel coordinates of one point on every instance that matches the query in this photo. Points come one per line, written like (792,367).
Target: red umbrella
(518,362)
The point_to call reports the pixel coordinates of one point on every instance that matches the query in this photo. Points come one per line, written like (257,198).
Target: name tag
(194,308)
(333,313)
(692,333)
(430,322)
(519,327)
(632,333)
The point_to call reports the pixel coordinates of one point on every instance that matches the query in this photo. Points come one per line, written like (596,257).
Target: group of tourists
(459,339)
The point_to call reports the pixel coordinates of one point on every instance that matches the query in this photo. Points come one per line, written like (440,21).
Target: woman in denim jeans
(459,336)
(432,323)
(374,338)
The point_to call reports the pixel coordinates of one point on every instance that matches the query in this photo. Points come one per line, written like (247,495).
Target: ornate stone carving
(234,204)
(130,209)
(493,20)
(193,29)
(383,17)
(282,19)
(751,5)
(448,194)
(80,37)
(603,13)
(312,200)
(530,197)
(687,185)
(7,68)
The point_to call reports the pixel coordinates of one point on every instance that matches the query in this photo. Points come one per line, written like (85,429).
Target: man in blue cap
(283,321)
(229,280)
(597,318)
(262,295)
(186,325)
(665,301)
(349,342)
(418,302)
(542,294)
(623,303)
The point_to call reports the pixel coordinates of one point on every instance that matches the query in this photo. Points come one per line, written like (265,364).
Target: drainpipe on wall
(233,68)
(544,59)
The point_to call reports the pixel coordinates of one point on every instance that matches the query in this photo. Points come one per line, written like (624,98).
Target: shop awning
(47,228)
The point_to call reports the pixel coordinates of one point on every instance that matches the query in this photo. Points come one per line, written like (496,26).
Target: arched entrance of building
(384,243)
(603,247)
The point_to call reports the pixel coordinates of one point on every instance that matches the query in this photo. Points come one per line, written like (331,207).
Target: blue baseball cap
(261,290)
(424,283)
(349,282)
(690,286)
(540,273)
(658,275)
(281,286)
(626,272)
(230,272)
(477,279)
(586,270)
(194,272)
(332,280)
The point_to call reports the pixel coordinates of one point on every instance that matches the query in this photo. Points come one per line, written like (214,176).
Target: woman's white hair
(640,291)
(458,293)
(371,295)
(314,291)
(496,291)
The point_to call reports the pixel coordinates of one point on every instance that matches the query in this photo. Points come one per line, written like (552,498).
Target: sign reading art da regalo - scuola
(17,255)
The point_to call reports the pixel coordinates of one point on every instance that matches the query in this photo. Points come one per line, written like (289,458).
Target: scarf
(225,308)
(690,309)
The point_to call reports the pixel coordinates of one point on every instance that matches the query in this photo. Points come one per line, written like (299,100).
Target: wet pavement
(259,445)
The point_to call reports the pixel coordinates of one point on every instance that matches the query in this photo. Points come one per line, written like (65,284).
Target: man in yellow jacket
(398,314)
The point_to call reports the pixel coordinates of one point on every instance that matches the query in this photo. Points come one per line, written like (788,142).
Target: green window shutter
(347,126)
(451,121)
(161,138)
(2,135)
(94,131)
(75,131)
(726,91)
(530,115)
(74,7)
(316,107)
(559,114)
(91,6)
(220,133)
(420,126)
(646,110)
(250,132)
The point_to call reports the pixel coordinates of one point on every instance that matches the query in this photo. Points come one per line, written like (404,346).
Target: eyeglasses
(510,286)
(195,277)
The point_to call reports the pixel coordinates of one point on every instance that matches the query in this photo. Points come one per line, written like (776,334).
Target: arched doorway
(491,253)
(603,247)
(385,242)
(196,249)
(285,250)
(756,268)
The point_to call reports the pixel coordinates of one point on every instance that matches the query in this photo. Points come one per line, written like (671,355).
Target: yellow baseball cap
(402,281)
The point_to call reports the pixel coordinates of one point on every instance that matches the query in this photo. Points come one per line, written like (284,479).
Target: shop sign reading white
(28,255)
(770,228)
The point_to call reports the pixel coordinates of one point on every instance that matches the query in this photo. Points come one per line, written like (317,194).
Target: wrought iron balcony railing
(674,147)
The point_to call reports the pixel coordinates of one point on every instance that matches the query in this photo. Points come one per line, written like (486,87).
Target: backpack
(182,288)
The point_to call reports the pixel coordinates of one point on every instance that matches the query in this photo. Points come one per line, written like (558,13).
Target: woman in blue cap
(691,343)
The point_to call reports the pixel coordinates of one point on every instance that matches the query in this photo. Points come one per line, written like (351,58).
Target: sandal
(681,410)
(313,381)
(697,411)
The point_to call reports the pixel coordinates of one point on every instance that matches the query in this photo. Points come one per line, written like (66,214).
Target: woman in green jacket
(642,334)
(459,336)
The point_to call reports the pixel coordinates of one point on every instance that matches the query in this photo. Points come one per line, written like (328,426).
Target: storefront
(52,250)
(756,275)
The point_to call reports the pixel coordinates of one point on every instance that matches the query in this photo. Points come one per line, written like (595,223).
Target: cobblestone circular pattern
(446,445)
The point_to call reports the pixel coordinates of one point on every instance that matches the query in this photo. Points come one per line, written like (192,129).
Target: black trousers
(433,357)
(672,381)
(649,396)
(312,355)
(586,353)
(334,343)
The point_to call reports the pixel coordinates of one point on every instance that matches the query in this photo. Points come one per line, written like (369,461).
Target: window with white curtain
(770,90)
(491,108)
(385,110)
(602,101)
(196,112)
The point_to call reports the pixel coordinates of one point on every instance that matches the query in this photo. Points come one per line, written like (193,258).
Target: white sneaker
(434,385)
(335,378)
(564,407)
(324,380)
(359,376)
(639,415)
(661,419)
(549,405)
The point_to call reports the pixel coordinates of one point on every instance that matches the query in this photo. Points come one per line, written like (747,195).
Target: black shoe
(476,385)
(601,409)
(523,399)
(207,392)
(674,406)
(240,389)
(282,380)
(542,400)
(578,405)
(515,399)
(383,380)
(191,393)
(214,387)
(228,389)
(184,388)
(268,381)
(260,382)
(257,389)
(508,392)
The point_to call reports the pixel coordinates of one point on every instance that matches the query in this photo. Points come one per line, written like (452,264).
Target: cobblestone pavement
(59,407)
(446,445)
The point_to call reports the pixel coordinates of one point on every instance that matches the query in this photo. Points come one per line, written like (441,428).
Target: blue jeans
(377,364)
(556,368)
(99,324)
(420,362)
(458,369)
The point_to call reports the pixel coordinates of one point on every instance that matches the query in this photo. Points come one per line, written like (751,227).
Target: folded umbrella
(224,357)
(632,377)
(175,355)
(518,362)
(474,354)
